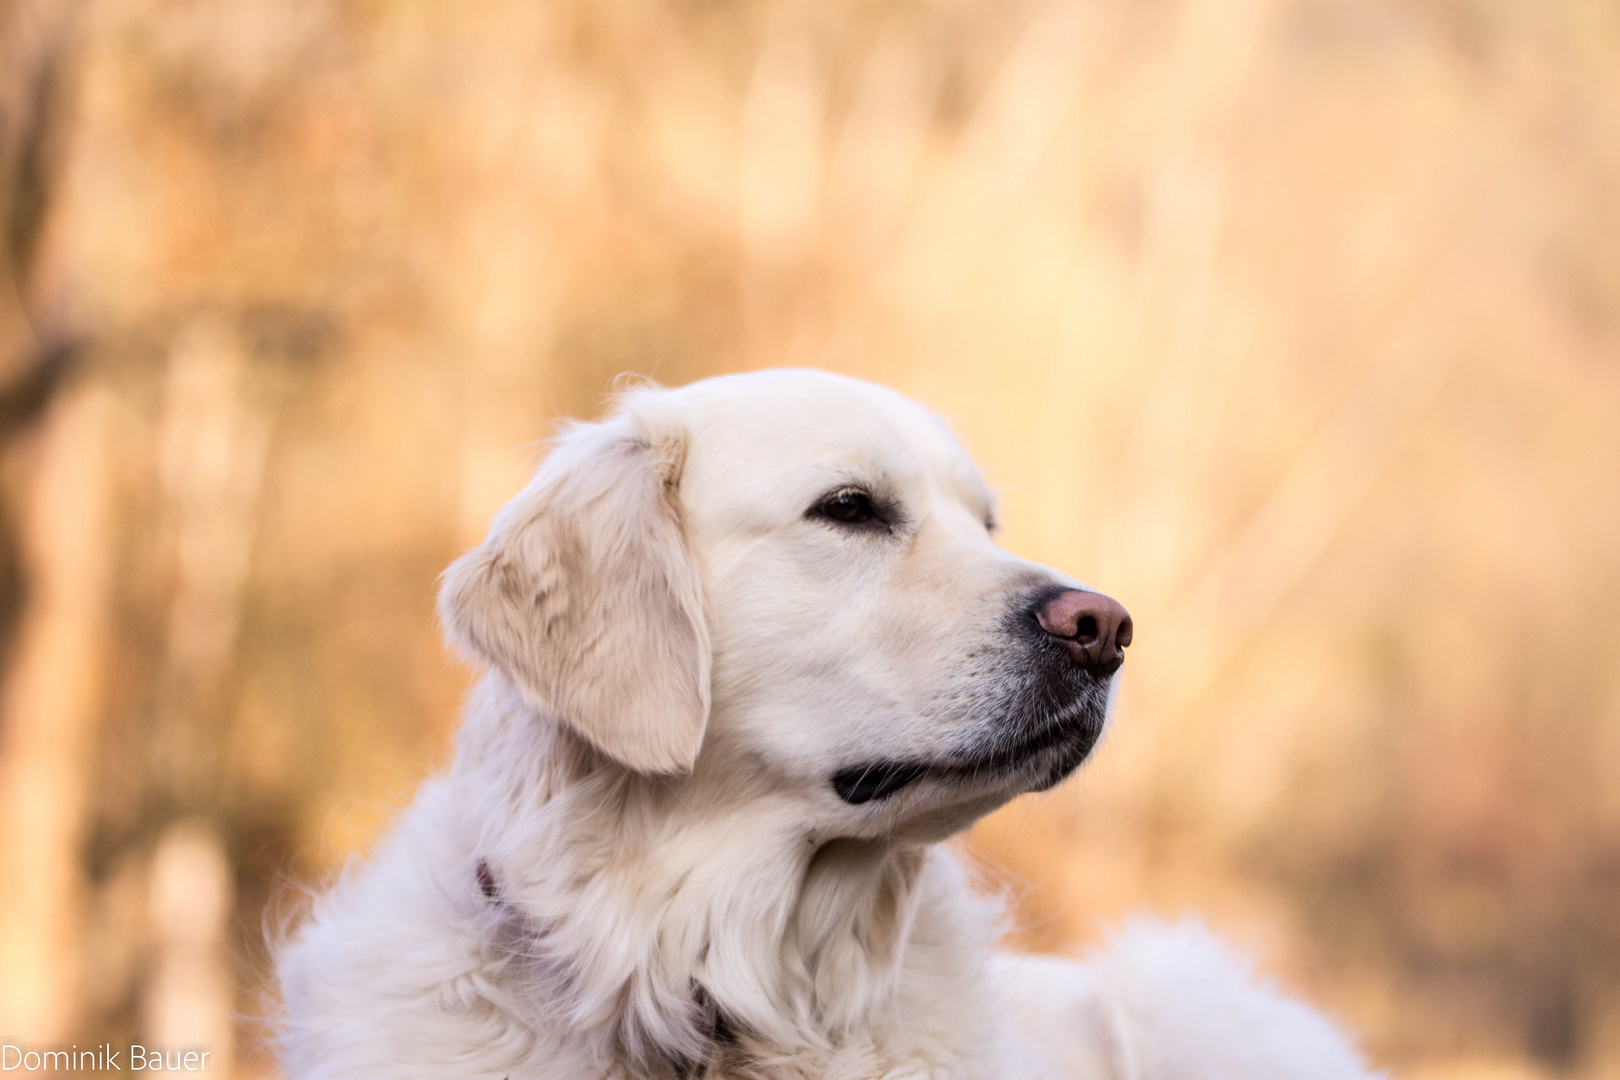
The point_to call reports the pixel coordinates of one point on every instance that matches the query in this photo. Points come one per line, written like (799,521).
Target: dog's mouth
(1038,761)
(876,780)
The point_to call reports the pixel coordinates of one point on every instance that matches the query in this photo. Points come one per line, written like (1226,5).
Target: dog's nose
(1096,628)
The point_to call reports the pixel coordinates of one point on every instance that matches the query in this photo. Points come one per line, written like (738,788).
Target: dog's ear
(586,596)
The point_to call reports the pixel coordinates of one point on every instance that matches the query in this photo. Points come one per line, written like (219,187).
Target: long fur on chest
(587,914)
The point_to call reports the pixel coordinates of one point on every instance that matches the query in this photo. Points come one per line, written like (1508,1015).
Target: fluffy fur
(638,866)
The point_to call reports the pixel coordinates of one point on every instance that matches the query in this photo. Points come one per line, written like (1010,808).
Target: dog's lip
(1073,733)
(876,780)
(879,779)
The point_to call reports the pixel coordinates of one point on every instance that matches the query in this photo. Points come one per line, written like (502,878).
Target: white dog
(751,653)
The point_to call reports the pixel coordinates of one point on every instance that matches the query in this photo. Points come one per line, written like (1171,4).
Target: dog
(750,653)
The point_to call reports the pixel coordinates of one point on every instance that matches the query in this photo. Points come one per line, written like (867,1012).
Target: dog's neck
(637,937)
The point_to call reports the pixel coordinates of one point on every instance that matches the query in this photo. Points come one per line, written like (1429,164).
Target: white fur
(678,659)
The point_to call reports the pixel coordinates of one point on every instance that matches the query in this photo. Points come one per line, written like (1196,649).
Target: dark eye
(851,506)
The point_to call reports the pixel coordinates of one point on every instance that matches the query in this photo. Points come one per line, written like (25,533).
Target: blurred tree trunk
(188,1000)
(55,556)
(34,57)
(52,698)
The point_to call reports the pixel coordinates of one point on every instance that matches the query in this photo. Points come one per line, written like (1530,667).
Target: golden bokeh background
(1294,324)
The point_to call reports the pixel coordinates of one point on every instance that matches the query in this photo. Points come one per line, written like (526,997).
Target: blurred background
(1294,324)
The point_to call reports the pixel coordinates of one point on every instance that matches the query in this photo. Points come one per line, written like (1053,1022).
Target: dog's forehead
(791,431)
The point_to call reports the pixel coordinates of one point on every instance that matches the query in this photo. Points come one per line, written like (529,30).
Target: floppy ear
(585,595)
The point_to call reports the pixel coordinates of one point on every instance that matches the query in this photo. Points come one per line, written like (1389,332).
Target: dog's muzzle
(1053,679)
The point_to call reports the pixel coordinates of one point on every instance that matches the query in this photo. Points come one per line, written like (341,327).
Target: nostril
(1094,628)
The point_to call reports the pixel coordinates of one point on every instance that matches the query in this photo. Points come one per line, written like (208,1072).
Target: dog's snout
(1094,627)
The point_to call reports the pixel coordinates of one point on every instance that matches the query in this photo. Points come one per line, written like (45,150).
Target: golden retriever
(751,651)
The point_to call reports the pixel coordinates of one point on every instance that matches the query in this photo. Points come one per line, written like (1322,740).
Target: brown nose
(1095,628)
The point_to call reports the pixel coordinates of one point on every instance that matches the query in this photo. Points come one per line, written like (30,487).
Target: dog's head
(784,585)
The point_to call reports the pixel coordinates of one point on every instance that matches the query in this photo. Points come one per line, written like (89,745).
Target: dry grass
(1295,324)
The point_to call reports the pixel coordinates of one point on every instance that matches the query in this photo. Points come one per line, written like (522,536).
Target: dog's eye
(852,506)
